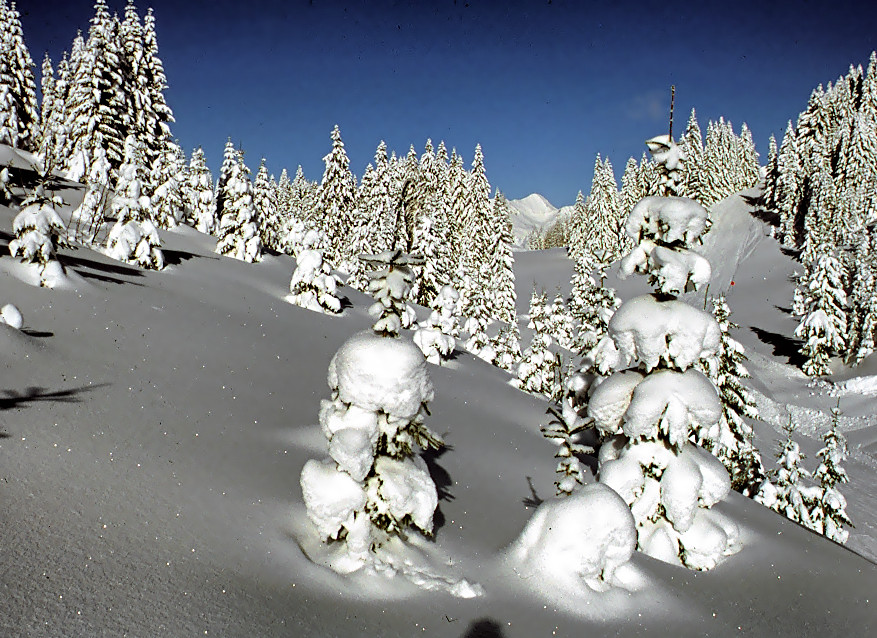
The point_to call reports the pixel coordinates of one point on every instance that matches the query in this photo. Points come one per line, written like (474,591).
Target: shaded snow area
(154,427)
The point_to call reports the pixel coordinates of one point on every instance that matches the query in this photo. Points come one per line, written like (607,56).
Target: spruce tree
(199,194)
(788,495)
(134,237)
(238,233)
(822,309)
(266,213)
(830,512)
(334,208)
(39,232)
(19,113)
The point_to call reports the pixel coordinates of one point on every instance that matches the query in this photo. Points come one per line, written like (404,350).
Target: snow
(650,331)
(155,425)
(406,488)
(11,316)
(331,495)
(669,219)
(378,373)
(551,547)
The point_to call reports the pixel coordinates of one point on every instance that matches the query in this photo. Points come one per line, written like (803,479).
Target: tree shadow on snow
(759,212)
(114,268)
(38,334)
(783,346)
(12,399)
(442,481)
(483,628)
(176,257)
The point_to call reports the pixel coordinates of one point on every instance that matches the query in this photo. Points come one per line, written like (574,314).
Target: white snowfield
(155,425)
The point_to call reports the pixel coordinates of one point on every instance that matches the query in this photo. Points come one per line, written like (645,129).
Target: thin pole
(672,100)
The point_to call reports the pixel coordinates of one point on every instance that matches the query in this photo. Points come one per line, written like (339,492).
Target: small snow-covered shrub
(580,540)
(391,286)
(39,232)
(373,486)
(435,336)
(313,285)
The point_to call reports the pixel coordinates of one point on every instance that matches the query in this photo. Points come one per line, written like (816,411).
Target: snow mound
(331,496)
(383,374)
(578,540)
(859,385)
(649,331)
(11,316)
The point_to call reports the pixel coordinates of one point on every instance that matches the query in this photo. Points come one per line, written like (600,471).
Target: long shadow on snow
(115,268)
(442,481)
(31,394)
(176,257)
(783,346)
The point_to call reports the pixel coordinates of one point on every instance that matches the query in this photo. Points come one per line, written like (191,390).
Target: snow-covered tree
(564,429)
(374,485)
(19,115)
(655,400)
(90,214)
(669,159)
(787,494)
(238,233)
(821,303)
(266,212)
(313,285)
(391,286)
(540,367)
(168,172)
(199,194)
(829,512)
(334,208)
(507,348)
(560,323)
(732,439)
(134,237)
(38,233)
(435,336)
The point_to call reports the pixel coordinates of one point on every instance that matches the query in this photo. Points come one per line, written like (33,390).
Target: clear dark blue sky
(543,86)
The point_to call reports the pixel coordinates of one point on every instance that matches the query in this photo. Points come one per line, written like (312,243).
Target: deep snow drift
(154,426)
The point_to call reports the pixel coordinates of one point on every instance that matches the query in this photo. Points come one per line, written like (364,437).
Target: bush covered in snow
(38,233)
(655,401)
(435,336)
(313,284)
(373,485)
(391,286)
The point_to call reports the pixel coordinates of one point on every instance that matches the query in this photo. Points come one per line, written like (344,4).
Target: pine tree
(435,336)
(19,114)
(391,285)
(507,348)
(199,194)
(39,232)
(90,215)
(830,512)
(266,213)
(788,495)
(313,285)
(229,160)
(692,148)
(167,199)
(238,227)
(564,430)
(732,441)
(501,263)
(655,401)
(334,208)
(539,369)
(134,237)
(823,318)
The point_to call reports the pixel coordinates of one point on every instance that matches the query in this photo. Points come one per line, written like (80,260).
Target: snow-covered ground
(154,425)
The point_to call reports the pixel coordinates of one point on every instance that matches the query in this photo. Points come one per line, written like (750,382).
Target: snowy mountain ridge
(533,212)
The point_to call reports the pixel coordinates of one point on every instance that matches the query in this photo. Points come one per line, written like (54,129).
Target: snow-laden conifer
(786,492)
(313,285)
(199,194)
(435,336)
(651,405)
(167,200)
(90,214)
(821,303)
(134,237)
(38,232)
(238,233)
(374,485)
(19,114)
(732,438)
(539,370)
(829,513)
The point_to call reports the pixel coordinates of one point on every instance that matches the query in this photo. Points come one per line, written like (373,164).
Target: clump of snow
(332,497)
(650,332)
(667,219)
(379,374)
(583,538)
(11,316)
(403,490)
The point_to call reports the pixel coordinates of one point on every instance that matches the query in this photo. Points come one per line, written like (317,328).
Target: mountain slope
(154,426)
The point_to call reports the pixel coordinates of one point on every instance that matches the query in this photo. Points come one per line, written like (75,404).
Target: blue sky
(542,86)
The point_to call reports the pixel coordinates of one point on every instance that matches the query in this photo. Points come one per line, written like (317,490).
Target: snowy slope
(154,426)
(532,212)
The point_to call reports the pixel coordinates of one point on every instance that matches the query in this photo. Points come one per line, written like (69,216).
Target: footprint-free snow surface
(153,427)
